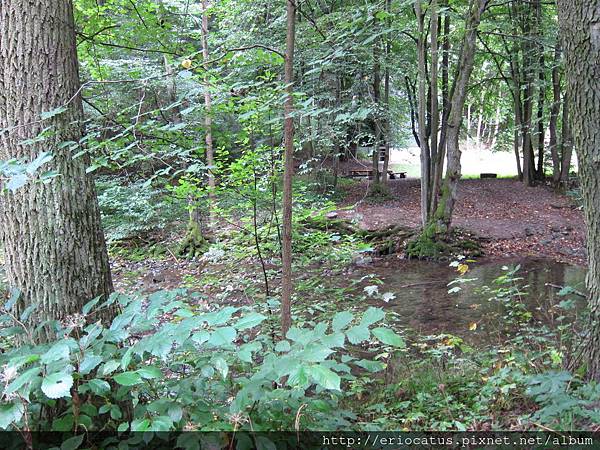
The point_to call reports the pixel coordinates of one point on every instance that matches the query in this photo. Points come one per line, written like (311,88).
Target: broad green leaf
(282,346)
(371,366)
(315,353)
(222,336)
(371,316)
(341,320)
(358,334)
(324,377)
(221,365)
(55,112)
(89,363)
(128,378)
(57,385)
(10,413)
(98,387)
(17,181)
(58,352)
(388,337)
(109,367)
(250,321)
(72,443)
(26,377)
(150,372)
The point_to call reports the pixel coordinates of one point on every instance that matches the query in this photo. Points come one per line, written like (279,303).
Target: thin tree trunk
(386,100)
(287,285)
(375,188)
(435,110)
(55,252)
(422,105)
(566,144)
(441,151)
(208,110)
(580,27)
(554,112)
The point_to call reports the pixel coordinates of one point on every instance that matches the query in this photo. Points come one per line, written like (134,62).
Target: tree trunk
(566,142)
(441,151)
(554,112)
(443,215)
(54,247)
(287,285)
(435,110)
(386,101)
(208,109)
(579,22)
(422,105)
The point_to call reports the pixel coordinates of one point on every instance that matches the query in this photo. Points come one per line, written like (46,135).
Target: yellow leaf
(473,326)
(462,268)
(186,63)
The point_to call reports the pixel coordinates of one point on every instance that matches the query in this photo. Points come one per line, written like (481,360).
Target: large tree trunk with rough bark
(55,251)
(580,29)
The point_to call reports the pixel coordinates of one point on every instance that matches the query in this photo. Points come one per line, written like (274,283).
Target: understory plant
(167,363)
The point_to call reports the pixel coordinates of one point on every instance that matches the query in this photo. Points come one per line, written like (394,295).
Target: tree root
(193,244)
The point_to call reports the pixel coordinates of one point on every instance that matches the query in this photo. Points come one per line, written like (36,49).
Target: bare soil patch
(513,219)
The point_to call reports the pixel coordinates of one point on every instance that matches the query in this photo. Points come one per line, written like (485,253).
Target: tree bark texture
(54,247)
(579,22)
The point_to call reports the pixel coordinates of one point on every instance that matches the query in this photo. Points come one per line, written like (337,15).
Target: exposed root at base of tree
(400,239)
(384,242)
(443,246)
(194,244)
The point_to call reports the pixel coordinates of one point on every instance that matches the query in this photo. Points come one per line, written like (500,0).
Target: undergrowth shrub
(166,364)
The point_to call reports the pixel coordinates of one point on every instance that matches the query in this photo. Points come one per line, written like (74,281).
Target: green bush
(164,365)
(134,210)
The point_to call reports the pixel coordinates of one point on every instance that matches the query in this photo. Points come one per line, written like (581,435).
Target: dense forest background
(204,227)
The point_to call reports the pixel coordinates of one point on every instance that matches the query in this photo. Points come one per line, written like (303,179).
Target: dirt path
(518,220)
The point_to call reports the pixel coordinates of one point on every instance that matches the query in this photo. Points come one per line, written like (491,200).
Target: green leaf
(358,334)
(315,353)
(371,316)
(109,367)
(57,385)
(98,387)
(58,352)
(22,380)
(55,112)
(250,321)
(388,337)
(341,320)
(89,363)
(38,162)
(299,377)
(371,366)
(175,412)
(324,377)
(264,443)
(150,372)
(128,378)
(17,181)
(140,425)
(10,413)
(221,365)
(282,347)
(222,336)
(72,443)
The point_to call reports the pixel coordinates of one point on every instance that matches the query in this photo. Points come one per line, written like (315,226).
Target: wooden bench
(355,173)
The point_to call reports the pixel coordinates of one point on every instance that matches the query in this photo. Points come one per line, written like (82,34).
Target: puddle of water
(424,304)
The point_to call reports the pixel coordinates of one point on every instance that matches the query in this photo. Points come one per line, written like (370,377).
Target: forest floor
(510,218)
